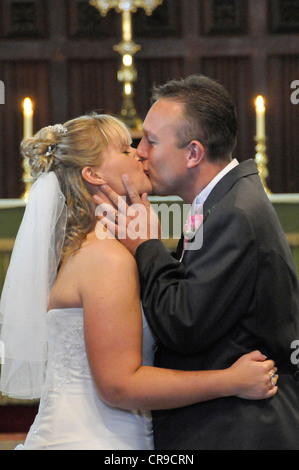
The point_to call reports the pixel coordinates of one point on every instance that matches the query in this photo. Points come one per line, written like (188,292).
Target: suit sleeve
(190,305)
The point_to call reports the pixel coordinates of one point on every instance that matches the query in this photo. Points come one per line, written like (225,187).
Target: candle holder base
(26,179)
(129,114)
(261,162)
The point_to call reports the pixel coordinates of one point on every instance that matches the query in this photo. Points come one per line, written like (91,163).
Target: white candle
(28,118)
(260,118)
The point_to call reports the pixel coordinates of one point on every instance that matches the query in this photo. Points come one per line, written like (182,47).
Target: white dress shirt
(201,197)
(197,205)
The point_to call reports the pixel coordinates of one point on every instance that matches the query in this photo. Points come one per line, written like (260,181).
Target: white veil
(30,276)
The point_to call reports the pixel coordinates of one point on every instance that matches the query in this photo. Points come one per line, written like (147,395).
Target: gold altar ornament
(260,138)
(125,5)
(127,74)
(27,133)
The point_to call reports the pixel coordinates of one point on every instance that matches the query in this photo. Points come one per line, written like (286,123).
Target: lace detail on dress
(67,360)
(70,360)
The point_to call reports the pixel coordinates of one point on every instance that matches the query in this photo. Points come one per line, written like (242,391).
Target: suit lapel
(179,250)
(227,182)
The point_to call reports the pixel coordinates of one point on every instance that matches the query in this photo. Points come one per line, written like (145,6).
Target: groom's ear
(92,175)
(196,153)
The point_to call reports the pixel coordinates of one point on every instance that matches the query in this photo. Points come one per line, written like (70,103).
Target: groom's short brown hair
(209,112)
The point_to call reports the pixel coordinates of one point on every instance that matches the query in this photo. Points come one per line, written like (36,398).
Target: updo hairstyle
(66,149)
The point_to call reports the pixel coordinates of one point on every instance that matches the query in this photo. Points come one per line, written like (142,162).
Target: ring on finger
(272,377)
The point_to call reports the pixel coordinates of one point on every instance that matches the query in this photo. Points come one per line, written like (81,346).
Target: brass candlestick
(262,161)
(127,74)
(261,154)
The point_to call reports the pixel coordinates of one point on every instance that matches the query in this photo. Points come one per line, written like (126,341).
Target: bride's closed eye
(130,152)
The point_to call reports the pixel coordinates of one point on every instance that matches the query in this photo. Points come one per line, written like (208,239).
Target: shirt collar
(203,195)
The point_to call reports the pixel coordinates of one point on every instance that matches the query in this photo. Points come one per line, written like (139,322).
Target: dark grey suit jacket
(238,293)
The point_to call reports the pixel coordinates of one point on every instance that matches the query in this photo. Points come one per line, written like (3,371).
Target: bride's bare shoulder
(108,251)
(102,265)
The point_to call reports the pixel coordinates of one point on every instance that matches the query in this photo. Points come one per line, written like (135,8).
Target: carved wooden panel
(154,72)
(283,124)
(85,21)
(284,16)
(235,74)
(224,16)
(165,21)
(22,79)
(93,86)
(23,19)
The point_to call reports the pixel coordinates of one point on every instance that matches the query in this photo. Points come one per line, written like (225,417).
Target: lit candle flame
(28,118)
(28,106)
(260,104)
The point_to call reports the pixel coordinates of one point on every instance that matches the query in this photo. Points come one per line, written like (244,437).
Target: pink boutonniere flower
(192,225)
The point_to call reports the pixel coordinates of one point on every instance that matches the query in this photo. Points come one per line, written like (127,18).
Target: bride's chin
(147,189)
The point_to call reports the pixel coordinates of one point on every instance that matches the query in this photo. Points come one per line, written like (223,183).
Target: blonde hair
(66,150)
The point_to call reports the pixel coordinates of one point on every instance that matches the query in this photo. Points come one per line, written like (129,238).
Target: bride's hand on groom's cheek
(132,221)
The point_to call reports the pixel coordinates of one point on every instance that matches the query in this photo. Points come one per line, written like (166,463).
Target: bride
(77,339)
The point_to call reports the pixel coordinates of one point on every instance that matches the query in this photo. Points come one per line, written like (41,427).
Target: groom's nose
(142,150)
(135,156)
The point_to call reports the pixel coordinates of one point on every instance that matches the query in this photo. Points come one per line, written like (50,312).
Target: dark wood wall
(60,53)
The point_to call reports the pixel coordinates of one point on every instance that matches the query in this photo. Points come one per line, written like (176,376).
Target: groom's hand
(131,222)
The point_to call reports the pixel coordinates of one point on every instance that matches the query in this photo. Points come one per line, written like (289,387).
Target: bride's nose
(134,155)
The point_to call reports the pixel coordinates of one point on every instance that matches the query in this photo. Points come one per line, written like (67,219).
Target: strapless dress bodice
(71,413)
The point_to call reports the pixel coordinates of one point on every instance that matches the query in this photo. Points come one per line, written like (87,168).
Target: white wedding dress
(71,414)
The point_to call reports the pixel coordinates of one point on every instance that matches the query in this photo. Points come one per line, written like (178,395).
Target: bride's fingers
(113,196)
(113,222)
(98,200)
(131,190)
(105,209)
(273,377)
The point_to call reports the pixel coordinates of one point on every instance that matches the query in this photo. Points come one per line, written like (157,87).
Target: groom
(237,293)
